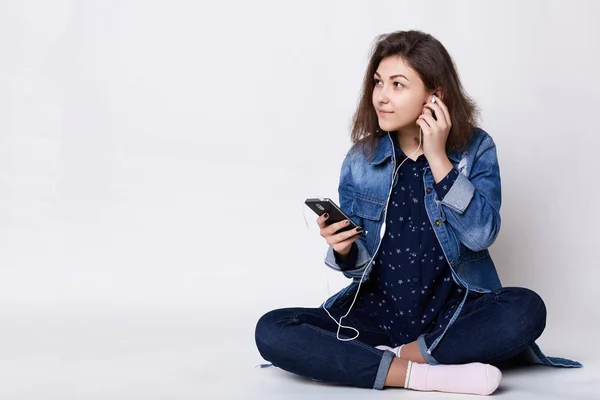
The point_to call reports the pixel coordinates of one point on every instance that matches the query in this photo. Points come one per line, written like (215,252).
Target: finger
(321,220)
(445,111)
(342,236)
(423,123)
(346,242)
(428,111)
(428,118)
(439,112)
(333,228)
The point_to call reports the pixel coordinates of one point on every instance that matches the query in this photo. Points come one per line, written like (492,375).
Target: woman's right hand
(341,242)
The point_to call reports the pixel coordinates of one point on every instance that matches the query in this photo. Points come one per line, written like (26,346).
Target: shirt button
(438,222)
(428,190)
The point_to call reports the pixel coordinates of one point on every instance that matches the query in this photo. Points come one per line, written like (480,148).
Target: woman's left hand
(435,133)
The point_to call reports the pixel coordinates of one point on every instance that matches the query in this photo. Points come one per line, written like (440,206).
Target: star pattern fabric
(411,290)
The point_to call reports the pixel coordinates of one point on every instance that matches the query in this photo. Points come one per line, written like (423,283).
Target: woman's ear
(439,93)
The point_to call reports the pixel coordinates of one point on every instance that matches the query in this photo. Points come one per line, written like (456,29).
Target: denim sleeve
(346,195)
(472,205)
(443,186)
(348,262)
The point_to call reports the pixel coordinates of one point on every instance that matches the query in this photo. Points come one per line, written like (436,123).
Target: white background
(155,156)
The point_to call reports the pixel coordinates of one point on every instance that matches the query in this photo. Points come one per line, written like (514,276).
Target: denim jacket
(466,221)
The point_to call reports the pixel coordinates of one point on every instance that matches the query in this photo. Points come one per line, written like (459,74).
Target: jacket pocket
(367,207)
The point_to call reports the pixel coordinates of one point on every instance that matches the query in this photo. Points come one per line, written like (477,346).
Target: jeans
(492,328)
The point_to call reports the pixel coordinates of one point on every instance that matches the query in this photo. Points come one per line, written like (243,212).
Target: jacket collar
(383,150)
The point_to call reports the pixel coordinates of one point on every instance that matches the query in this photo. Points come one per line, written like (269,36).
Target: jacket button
(438,222)
(428,190)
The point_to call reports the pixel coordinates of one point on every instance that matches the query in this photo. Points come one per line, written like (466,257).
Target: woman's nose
(383,96)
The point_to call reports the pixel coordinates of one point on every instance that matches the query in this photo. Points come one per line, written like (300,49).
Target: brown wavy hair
(430,59)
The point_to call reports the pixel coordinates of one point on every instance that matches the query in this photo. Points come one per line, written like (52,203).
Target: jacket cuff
(363,260)
(349,261)
(460,194)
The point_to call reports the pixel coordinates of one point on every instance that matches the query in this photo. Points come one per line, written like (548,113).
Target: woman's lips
(384,113)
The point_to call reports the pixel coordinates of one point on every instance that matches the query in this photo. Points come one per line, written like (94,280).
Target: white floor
(122,354)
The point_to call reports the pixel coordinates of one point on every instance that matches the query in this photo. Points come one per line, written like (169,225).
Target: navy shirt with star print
(411,290)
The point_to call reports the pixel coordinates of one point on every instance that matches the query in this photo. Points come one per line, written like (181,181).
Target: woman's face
(398,95)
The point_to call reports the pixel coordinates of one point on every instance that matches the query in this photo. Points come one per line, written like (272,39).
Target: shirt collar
(383,149)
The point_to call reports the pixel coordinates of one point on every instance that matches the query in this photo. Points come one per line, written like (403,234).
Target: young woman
(423,183)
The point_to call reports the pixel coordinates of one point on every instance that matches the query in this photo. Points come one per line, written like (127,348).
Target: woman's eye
(379,82)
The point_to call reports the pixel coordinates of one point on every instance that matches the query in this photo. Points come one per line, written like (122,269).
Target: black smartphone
(324,205)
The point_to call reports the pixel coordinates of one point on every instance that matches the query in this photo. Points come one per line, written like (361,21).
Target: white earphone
(381,234)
